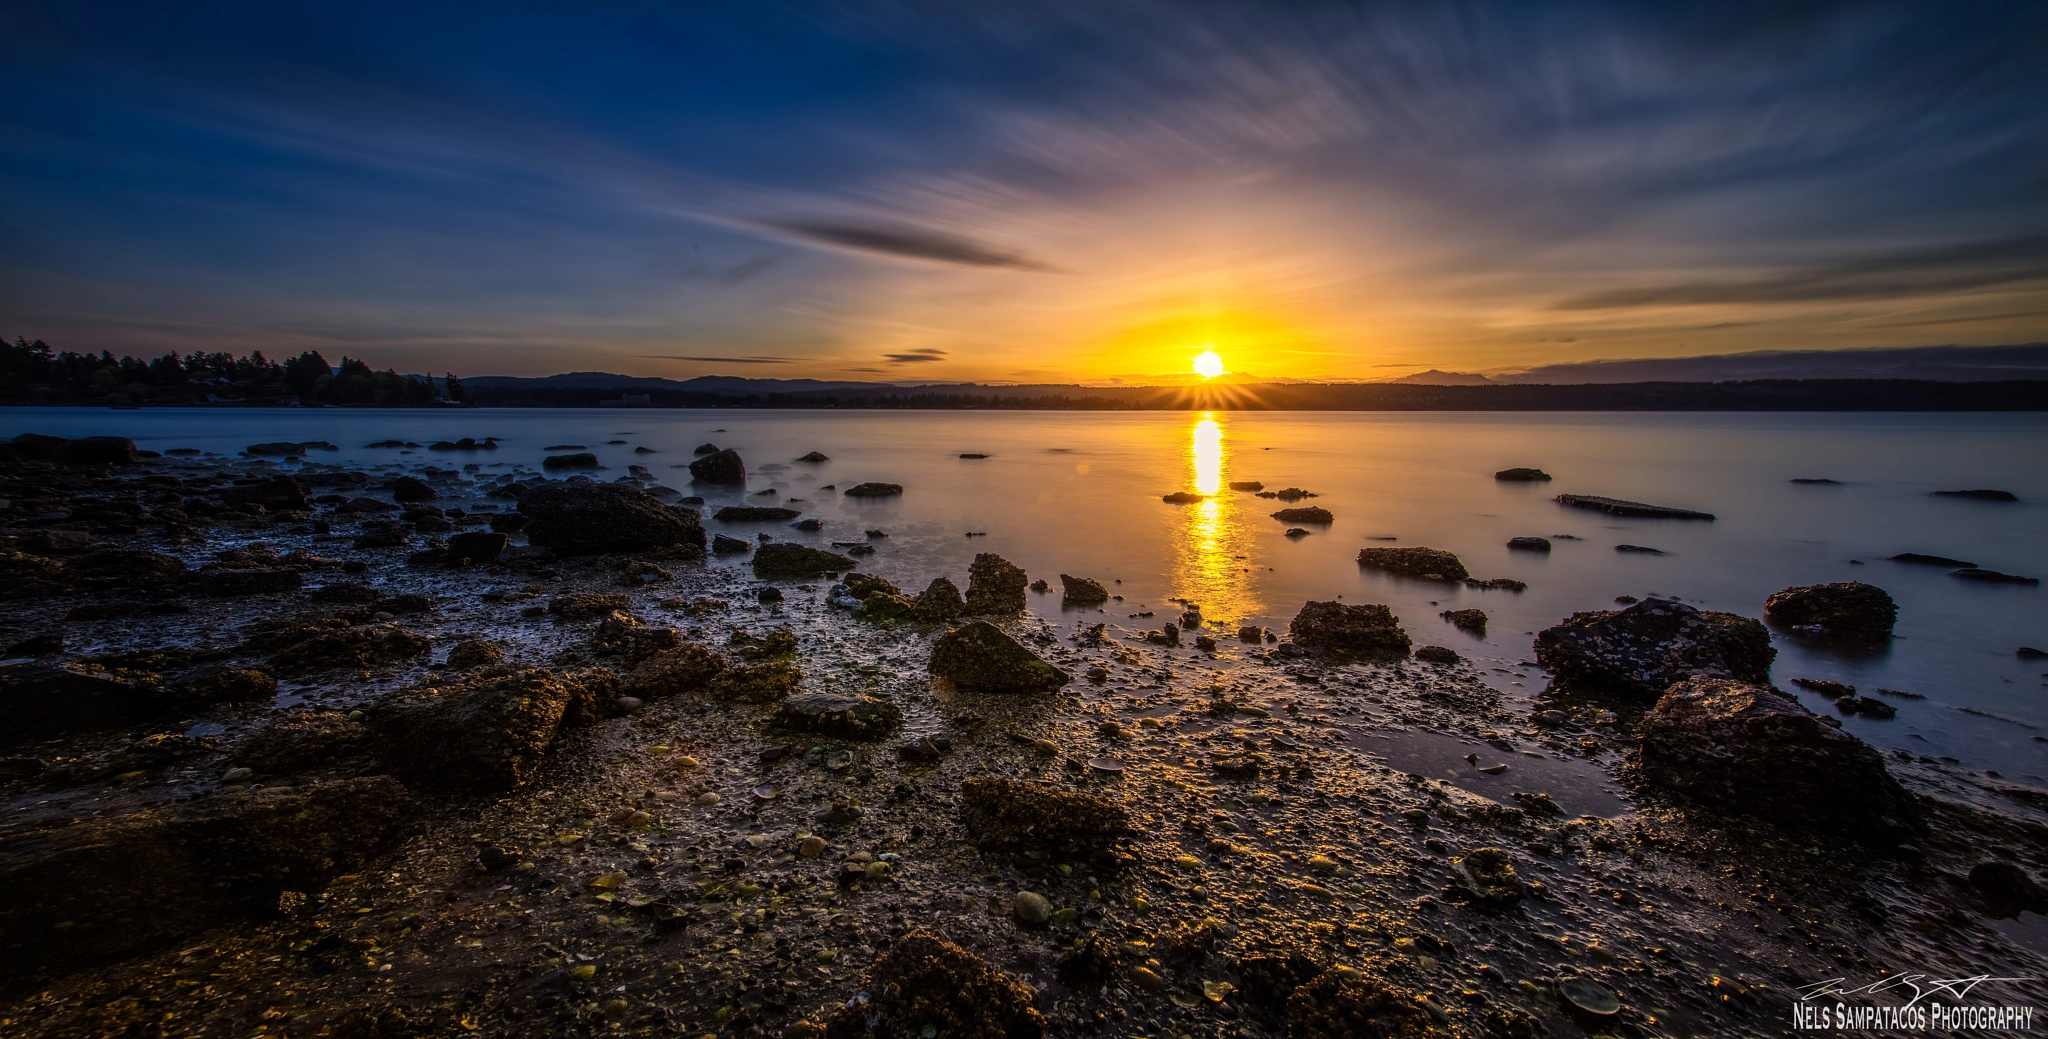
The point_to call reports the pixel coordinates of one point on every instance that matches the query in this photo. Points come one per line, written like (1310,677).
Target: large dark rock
(579,518)
(995,585)
(979,655)
(106,887)
(782,560)
(412,488)
(1645,648)
(1010,814)
(371,646)
(861,586)
(1306,514)
(1848,611)
(488,734)
(300,740)
(719,467)
(1746,749)
(1522,475)
(1081,591)
(844,715)
(42,700)
(1422,564)
(579,460)
(927,986)
(686,668)
(476,546)
(1364,631)
(277,494)
(82,451)
(1979,494)
(940,601)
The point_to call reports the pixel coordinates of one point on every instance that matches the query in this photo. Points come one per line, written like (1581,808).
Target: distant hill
(1433,377)
(726,385)
(1937,363)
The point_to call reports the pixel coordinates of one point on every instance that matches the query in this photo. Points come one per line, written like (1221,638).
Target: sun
(1208,365)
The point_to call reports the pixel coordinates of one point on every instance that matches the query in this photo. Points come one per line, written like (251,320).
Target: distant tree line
(1759,395)
(32,373)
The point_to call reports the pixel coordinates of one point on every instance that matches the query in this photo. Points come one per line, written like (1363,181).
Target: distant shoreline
(1813,395)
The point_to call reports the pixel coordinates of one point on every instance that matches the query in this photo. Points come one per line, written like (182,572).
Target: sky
(1021,192)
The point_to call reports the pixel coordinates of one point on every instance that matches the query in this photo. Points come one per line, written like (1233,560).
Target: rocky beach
(295,748)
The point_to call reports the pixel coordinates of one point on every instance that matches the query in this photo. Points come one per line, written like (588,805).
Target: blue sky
(1021,192)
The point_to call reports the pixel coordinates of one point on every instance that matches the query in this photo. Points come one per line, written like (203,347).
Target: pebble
(236,775)
(707,799)
(1032,908)
(629,704)
(811,847)
(1145,978)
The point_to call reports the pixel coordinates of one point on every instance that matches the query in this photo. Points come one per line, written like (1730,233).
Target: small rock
(1529,544)
(813,846)
(1437,654)
(1522,475)
(1031,908)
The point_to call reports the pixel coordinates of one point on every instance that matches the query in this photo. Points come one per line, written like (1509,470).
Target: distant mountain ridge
(721,384)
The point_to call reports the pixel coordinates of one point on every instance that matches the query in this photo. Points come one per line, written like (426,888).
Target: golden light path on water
(1213,562)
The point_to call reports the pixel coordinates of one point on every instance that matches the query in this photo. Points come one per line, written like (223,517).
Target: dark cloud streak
(916,243)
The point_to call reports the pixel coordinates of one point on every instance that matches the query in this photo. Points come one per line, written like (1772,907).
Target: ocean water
(1079,493)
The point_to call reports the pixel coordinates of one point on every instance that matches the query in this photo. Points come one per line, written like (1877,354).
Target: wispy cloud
(906,241)
(1954,268)
(916,356)
(720,360)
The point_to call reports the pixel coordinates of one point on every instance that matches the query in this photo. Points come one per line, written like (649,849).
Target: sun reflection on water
(1213,568)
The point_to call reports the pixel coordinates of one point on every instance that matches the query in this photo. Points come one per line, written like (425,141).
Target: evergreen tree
(453,389)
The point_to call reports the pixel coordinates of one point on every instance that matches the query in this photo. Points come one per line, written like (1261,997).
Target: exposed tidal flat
(405,741)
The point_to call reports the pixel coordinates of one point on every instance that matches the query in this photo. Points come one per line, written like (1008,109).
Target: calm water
(1079,493)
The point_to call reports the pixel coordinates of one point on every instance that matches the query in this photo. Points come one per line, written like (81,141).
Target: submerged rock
(1365,631)
(1183,498)
(1082,591)
(725,544)
(719,467)
(979,655)
(106,887)
(873,490)
(1991,576)
(1530,544)
(1247,485)
(1645,648)
(1619,507)
(994,585)
(927,986)
(780,560)
(1473,621)
(580,460)
(1848,611)
(1924,558)
(1010,814)
(1305,514)
(489,733)
(1980,494)
(1746,749)
(754,514)
(1422,564)
(843,715)
(1522,475)
(815,456)
(1437,654)
(577,518)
